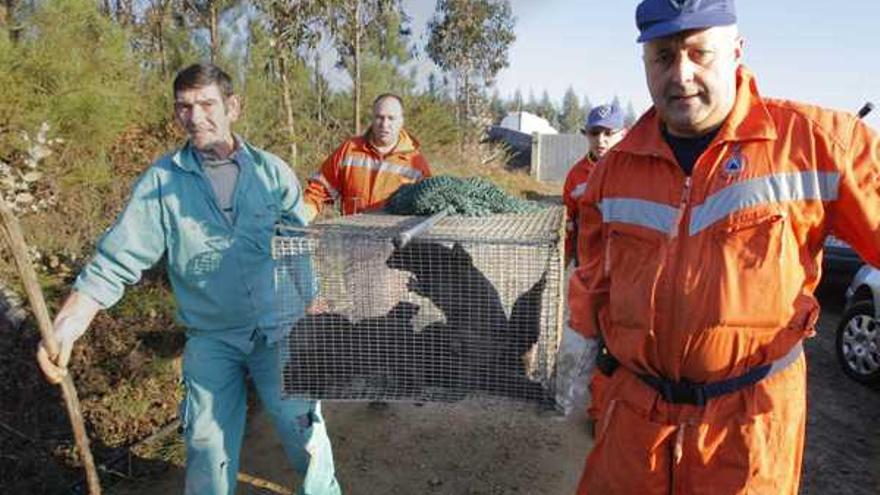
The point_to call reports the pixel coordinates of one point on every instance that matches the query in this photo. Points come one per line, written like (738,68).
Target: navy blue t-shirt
(687,150)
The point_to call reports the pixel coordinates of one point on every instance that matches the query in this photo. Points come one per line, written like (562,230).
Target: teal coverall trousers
(213,415)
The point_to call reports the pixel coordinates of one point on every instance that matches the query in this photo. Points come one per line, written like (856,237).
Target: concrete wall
(553,155)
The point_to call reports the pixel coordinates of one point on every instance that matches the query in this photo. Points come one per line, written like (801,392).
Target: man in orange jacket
(701,240)
(603,128)
(367,170)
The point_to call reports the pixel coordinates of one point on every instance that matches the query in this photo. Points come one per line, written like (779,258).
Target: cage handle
(403,238)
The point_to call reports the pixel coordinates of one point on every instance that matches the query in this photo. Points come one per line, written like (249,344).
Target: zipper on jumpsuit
(677,448)
(682,207)
(208,188)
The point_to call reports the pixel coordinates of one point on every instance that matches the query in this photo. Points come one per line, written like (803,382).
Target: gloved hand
(575,364)
(70,324)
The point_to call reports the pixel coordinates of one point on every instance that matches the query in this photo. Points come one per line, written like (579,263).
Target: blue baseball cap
(659,18)
(608,116)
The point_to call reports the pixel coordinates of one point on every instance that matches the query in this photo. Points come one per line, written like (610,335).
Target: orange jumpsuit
(704,278)
(574,188)
(362,179)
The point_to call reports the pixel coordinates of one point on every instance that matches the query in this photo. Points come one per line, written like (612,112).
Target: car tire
(858,343)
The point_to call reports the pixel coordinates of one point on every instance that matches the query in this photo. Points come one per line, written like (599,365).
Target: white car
(858,334)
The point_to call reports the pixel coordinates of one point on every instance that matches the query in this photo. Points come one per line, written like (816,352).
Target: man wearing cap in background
(603,128)
(700,244)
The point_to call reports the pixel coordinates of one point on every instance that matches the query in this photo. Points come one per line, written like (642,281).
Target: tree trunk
(126,14)
(160,36)
(288,108)
(457,92)
(7,19)
(319,87)
(467,98)
(468,125)
(458,117)
(356,90)
(215,40)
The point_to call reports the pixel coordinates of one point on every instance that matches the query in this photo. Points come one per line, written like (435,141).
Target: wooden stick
(16,243)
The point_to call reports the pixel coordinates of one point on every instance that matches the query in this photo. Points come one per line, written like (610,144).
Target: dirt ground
(843,423)
(497,448)
(474,448)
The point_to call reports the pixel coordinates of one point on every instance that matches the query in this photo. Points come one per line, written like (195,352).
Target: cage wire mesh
(472,307)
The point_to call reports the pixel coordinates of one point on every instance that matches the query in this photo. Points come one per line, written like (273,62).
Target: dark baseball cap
(609,116)
(659,18)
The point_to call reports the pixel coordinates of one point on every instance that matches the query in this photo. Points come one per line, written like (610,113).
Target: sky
(816,51)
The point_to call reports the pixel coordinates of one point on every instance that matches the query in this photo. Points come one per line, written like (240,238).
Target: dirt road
(497,448)
(843,424)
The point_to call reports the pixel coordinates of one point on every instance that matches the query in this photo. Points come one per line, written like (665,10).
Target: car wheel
(858,343)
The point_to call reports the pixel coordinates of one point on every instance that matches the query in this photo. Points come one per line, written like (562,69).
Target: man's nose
(683,69)
(197,114)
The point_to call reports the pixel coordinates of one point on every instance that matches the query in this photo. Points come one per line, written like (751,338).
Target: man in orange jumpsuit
(701,240)
(367,170)
(603,128)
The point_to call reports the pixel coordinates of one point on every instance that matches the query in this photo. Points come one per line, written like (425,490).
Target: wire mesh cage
(471,307)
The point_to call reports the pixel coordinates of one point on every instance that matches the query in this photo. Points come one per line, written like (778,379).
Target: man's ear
(233,107)
(739,48)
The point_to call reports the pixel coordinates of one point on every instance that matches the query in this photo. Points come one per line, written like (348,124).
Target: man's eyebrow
(196,102)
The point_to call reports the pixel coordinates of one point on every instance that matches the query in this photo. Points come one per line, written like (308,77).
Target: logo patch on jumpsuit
(734,165)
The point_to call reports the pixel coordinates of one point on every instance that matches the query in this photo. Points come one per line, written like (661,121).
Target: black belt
(685,392)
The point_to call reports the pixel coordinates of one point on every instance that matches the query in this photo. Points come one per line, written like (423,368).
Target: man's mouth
(684,97)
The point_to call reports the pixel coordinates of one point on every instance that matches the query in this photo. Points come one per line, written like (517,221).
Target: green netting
(471,196)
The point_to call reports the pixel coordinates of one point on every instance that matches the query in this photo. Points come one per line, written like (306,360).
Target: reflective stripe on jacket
(362,179)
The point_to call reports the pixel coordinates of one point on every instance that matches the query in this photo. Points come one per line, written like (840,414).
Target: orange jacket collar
(749,120)
(406,143)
